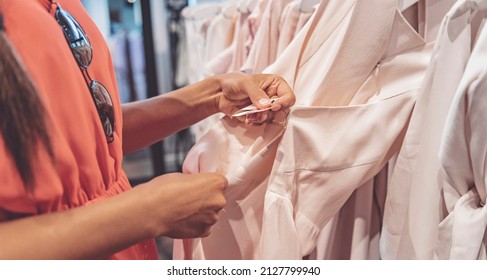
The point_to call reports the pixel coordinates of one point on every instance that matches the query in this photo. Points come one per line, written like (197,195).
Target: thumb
(257,95)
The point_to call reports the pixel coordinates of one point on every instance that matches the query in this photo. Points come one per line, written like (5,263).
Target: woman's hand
(188,204)
(175,205)
(239,90)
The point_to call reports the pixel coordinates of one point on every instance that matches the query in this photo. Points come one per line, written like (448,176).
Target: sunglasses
(83,53)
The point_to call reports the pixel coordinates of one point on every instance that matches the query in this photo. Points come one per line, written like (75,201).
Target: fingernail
(264,101)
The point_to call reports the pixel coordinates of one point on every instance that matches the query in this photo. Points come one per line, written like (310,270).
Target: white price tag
(251,109)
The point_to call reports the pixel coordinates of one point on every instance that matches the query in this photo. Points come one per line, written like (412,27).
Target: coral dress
(87,169)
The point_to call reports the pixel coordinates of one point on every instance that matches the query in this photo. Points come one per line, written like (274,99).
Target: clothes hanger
(306,6)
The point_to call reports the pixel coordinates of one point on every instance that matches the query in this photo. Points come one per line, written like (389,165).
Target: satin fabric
(413,207)
(197,20)
(335,138)
(217,32)
(354,232)
(233,57)
(248,22)
(263,49)
(247,168)
(462,157)
(288,25)
(335,151)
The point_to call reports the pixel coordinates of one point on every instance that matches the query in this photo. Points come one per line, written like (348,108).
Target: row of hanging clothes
(219,38)
(382,156)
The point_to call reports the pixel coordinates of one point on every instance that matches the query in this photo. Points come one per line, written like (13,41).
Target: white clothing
(353,106)
(264,44)
(463,154)
(413,207)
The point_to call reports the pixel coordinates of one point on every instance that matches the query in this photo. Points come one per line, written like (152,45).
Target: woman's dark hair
(23,123)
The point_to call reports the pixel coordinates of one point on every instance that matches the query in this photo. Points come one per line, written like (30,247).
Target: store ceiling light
(131,1)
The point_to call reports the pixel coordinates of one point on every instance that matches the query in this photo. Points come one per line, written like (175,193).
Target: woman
(63,193)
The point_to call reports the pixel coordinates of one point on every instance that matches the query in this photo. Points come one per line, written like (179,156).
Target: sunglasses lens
(83,53)
(104,106)
(76,37)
